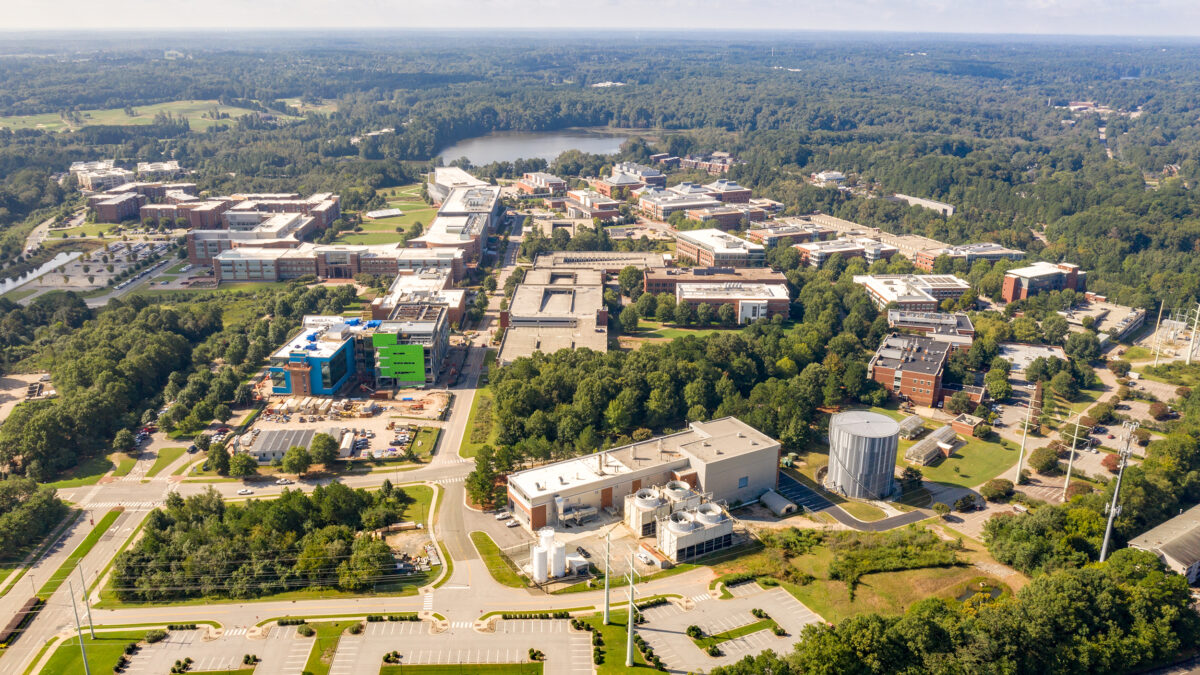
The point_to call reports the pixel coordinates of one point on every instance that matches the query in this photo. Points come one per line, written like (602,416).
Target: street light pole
(607,571)
(86,602)
(629,621)
(1115,508)
(1024,437)
(1071,461)
(78,630)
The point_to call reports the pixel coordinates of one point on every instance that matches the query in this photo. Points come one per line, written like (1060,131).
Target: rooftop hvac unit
(681,523)
(647,499)
(709,513)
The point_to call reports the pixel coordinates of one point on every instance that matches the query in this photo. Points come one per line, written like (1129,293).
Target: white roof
(734,290)
(718,241)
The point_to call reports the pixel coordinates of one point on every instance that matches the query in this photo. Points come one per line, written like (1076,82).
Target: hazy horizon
(1132,18)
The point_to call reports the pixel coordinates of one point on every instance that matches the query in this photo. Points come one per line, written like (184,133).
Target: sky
(1044,17)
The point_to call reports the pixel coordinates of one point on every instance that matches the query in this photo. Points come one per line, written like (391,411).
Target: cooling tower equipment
(689,534)
(862,454)
(643,509)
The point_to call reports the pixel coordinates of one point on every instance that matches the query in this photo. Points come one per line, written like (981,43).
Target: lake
(506,146)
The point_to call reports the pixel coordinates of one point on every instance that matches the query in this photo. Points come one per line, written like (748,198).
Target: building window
(743,481)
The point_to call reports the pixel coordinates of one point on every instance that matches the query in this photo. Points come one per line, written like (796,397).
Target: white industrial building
(694,532)
(726,458)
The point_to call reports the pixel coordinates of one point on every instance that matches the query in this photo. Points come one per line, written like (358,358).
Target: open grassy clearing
(112,230)
(417,511)
(124,463)
(102,652)
(656,329)
(884,592)
(193,110)
(88,473)
(18,294)
(480,430)
(706,641)
(971,464)
(325,645)
(165,457)
(68,566)
(499,565)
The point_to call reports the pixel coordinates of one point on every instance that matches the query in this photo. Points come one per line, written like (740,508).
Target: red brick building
(911,367)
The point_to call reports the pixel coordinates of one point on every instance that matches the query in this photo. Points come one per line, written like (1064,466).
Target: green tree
(1063,384)
(630,281)
(324,449)
(1082,346)
(727,314)
(1044,460)
(242,464)
(296,460)
(629,319)
(123,441)
(218,458)
(222,413)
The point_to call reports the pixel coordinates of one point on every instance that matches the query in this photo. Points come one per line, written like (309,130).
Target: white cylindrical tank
(546,537)
(862,454)
(558,560)
(537,564)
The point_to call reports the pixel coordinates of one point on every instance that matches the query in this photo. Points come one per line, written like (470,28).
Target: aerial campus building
(333,261)
(332,354)
(555,309)
(726,458)
(1040,277)
(714,248)
(913,292)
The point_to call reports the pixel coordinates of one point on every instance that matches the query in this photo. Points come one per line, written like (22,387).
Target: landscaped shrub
(997,490)
(305,630)
(153,636)
(290,622)
(355,628)
(1044,460)
(695,632)
(713,650)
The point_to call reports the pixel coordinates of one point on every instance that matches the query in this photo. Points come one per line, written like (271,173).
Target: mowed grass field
(407,198)
(193,110)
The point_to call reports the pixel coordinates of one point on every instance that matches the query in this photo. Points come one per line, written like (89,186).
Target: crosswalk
(447,481)
(234,632)
(461,624)
(129,506)
(701,598)
(428,601)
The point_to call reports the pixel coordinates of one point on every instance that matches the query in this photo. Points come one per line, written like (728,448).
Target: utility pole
(1191,345)
(87,603)
(1157,326)
(1071,461)
(629,621)
(607,571)
(78,630)
(1024,437)
(1115,508)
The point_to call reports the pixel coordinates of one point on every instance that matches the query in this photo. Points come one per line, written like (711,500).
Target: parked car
(283,481)
(192,448)
(503,515)
(512,523)
(582,551)
(245,491)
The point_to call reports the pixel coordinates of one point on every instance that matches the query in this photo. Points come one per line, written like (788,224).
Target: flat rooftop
(733,290)
(600,260)
(1021,355)
(705,442)
(912,354)
(452,177)
(319,342)
(717,241)
(1178,538)
(470,200)
(281,440)
(520,341)
(1038,269)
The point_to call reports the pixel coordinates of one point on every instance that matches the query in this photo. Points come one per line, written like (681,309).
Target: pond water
(52,264)
(506,146)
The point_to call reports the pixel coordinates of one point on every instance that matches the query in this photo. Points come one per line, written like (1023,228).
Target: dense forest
(203,547)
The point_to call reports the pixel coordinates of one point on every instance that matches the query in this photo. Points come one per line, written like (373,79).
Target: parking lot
(566,651)
(666,626)
(283,651)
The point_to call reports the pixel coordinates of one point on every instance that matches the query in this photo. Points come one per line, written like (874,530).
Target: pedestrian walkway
(428,606)
(461,624)
(701,598)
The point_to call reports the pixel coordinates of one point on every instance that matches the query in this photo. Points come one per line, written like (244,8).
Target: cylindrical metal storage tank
(538,564)
(862,454)
(558,560)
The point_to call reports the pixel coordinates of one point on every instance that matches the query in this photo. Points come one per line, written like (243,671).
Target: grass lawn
(368,238)
(621,581)
(1137,353)
(239,671)
(426,441)
(884,592)
(165,457)
(68,566)
(972,464)
(102,652)
(863,511)
(483,399)
(499,565)
(88,473)
(400,588)
(19,294)
(707,641)
(124,463)
(325,645)
(1176,373)
(614,635)
(222,290)
(418,510)
(193,110)
(87,230)
(473,668)
(655,329)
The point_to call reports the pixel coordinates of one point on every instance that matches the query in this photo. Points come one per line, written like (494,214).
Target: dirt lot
(12,391)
